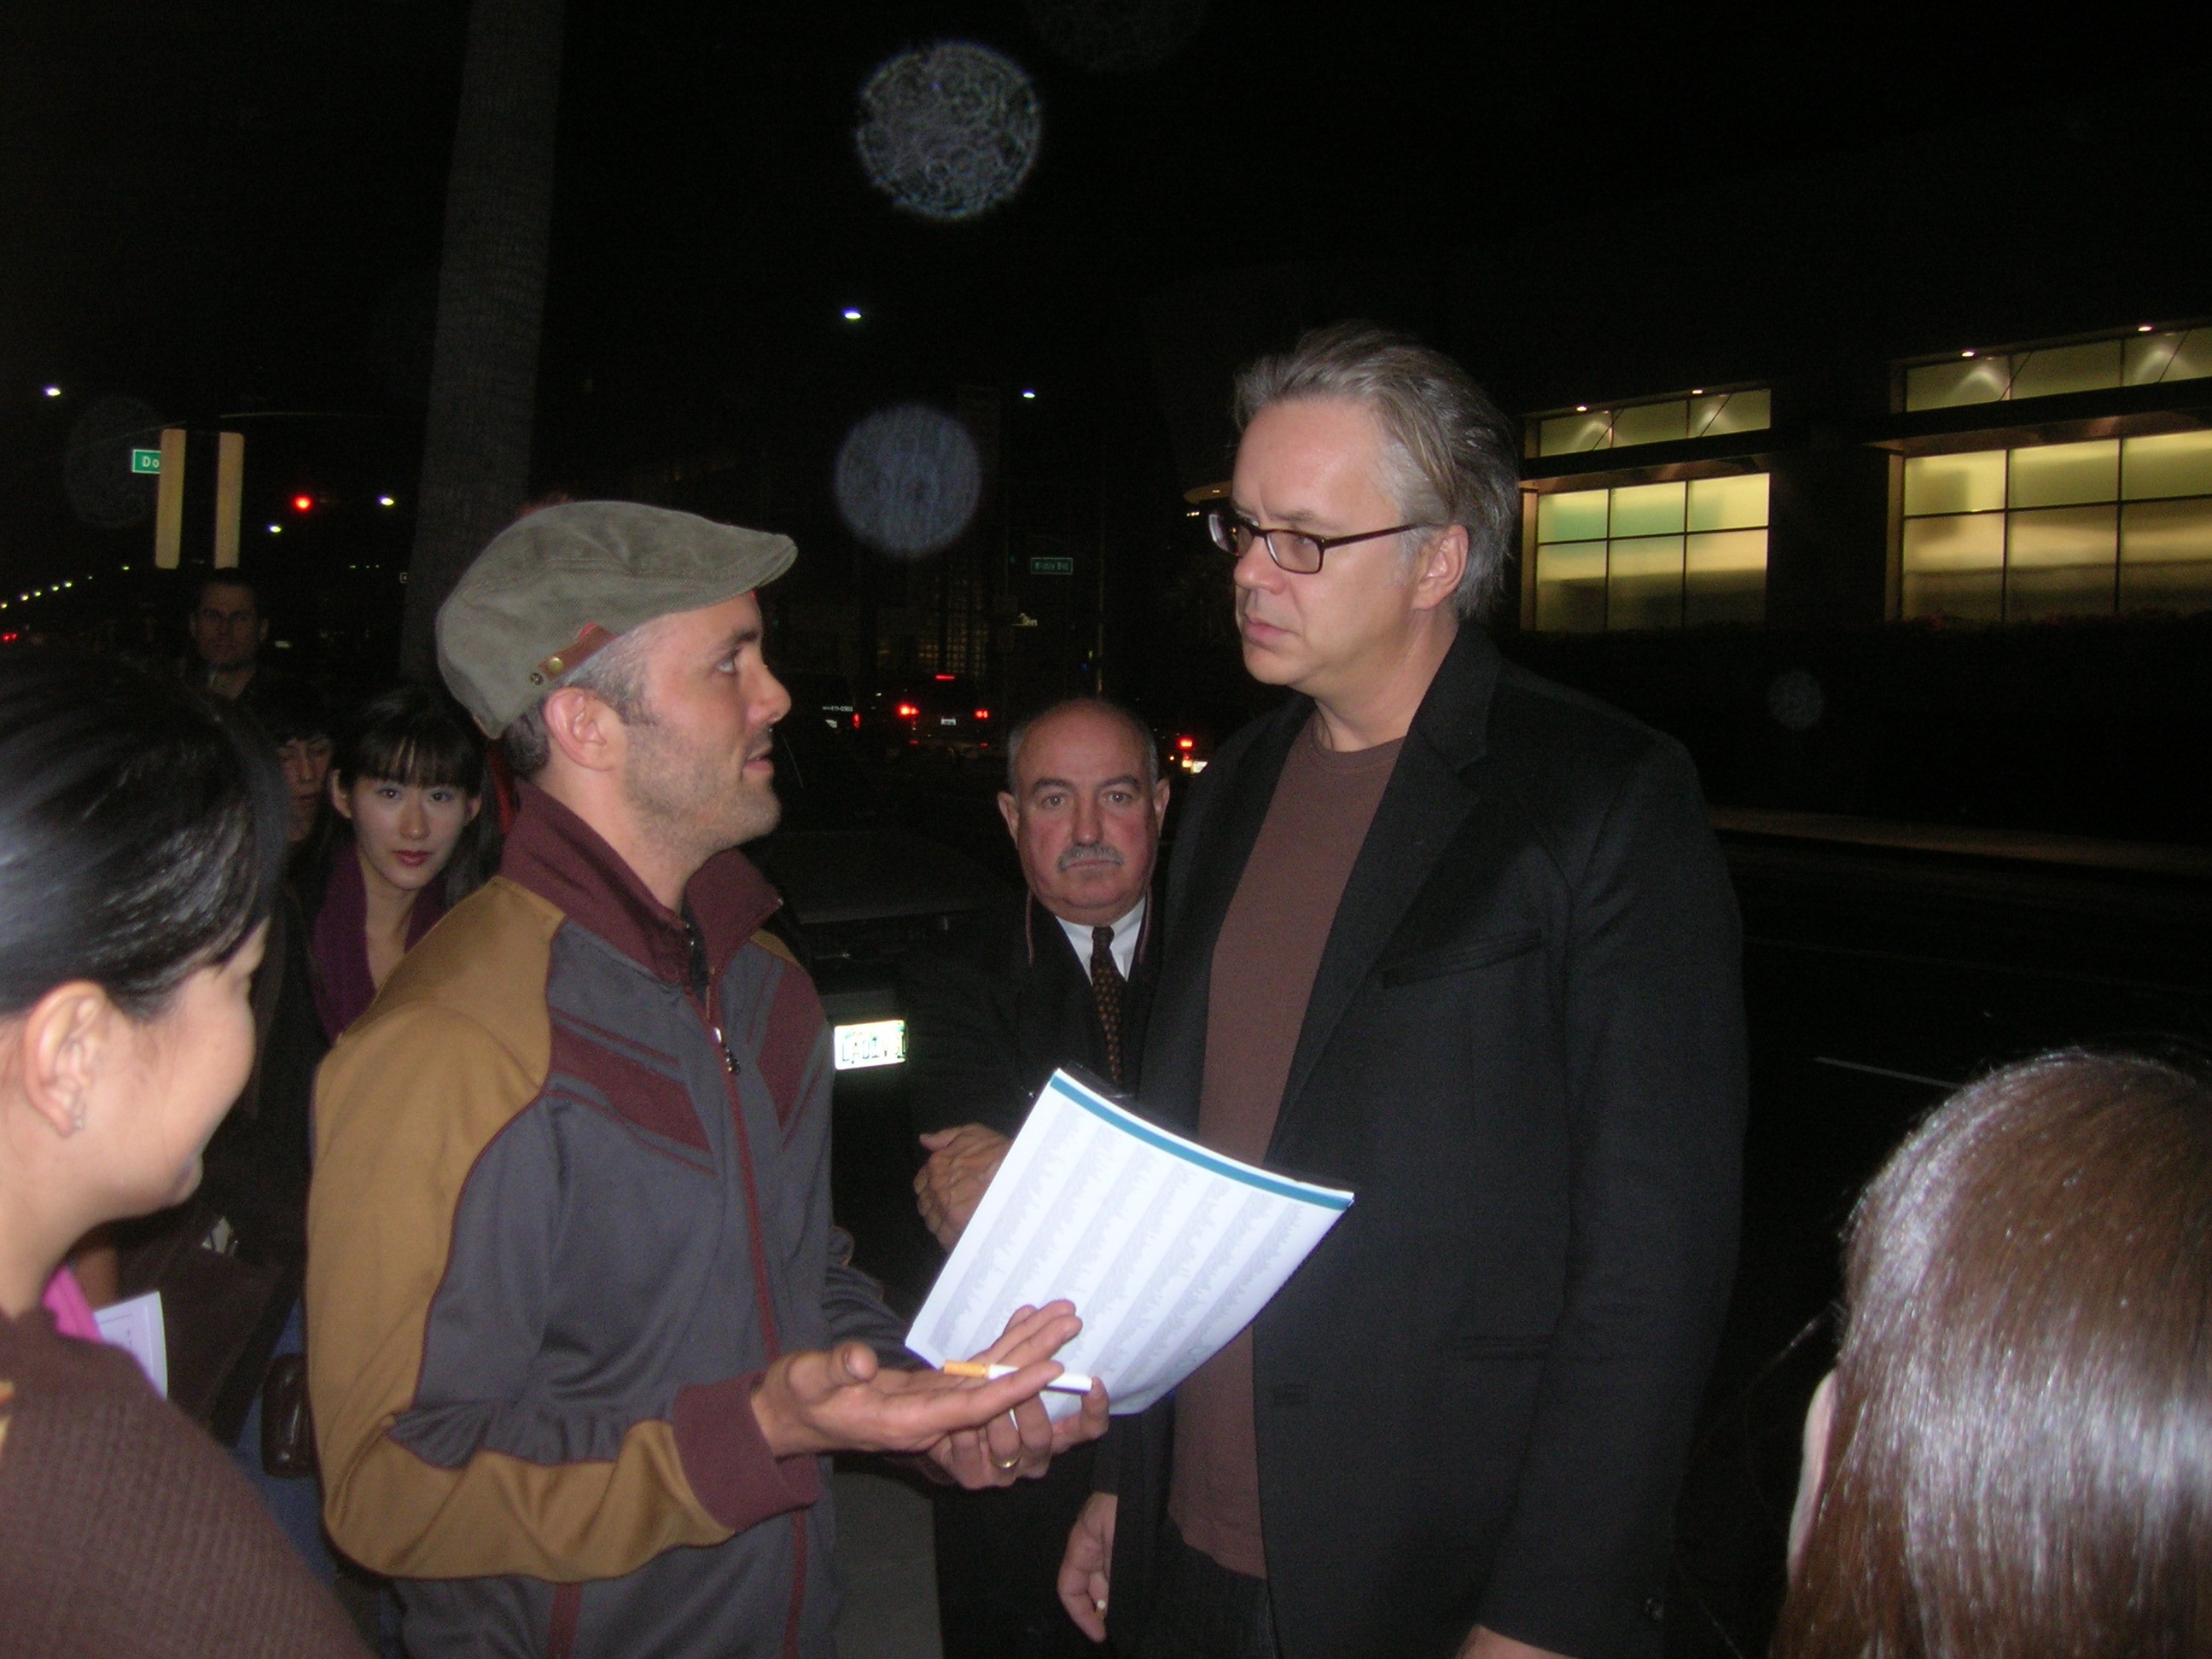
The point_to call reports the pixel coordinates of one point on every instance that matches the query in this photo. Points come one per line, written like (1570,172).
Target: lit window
(1652,555)
(1702,415)
(2058,529)
(2131,360)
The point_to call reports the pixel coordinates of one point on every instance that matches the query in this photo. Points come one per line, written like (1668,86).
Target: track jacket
(571,1196)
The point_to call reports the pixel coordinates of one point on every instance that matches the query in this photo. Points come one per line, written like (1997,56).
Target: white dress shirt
(1125,938)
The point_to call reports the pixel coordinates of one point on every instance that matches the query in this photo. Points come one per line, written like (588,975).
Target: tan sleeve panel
(774,946)
(404,1105)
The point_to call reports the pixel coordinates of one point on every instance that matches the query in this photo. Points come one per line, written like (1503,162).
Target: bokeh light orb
(96,476)
(1795,699)
(1116,37)
(949,132)
(907,480)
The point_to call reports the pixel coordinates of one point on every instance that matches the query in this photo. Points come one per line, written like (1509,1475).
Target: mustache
(1096,852)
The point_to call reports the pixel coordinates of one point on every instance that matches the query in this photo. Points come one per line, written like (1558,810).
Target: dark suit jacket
(1524,1054)
(997,1006)
(991,1012)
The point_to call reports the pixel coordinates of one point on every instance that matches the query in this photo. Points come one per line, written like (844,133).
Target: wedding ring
(1013,1462)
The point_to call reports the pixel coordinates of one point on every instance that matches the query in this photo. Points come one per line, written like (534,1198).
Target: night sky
(233,209)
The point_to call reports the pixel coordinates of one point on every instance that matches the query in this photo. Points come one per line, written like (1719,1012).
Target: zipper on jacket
(706,1001)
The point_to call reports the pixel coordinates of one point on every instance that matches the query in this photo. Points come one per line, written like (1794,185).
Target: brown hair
(2020,1460)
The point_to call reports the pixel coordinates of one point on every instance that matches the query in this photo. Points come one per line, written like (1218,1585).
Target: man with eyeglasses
(1461,940)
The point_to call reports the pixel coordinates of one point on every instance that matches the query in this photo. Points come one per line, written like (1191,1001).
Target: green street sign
(145,460)
(1052,567)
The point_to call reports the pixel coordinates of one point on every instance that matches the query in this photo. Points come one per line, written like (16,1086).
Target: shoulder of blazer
(988,940)
(1562,741)
(981,961)
(1480,707)
(1570,762)
(1011,944)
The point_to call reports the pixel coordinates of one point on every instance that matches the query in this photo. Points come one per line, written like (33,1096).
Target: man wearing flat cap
(581,1341)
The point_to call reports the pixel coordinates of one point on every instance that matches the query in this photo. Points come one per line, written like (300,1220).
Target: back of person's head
(142,830)
(289,711)
(2019,1460)
(1448,453)
(413,735)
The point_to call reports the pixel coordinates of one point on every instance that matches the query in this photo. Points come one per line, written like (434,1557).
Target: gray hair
(1113,711)
(1449,455)
(615,674)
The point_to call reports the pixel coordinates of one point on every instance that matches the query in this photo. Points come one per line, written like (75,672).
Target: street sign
(145,460)
(1052,567)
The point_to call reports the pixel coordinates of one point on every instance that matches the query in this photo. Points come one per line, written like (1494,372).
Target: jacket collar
(1032,910)
(554,853)
(1454,718)
(1430,794)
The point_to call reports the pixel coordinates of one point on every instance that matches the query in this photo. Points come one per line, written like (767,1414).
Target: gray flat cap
(557,584)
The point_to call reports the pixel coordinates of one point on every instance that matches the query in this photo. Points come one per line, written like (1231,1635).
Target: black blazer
(1524,1054)
(995,1008)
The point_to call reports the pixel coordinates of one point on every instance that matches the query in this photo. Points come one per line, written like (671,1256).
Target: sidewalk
(886,1567)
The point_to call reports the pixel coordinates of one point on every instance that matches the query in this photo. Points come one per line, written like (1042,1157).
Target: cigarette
(1065,1382)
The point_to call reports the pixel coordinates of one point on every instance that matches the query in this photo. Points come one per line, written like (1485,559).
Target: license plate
(876,1042)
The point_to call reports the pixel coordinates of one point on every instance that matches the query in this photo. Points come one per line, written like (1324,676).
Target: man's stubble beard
(689,802)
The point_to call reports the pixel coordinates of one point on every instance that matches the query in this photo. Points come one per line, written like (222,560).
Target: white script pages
(1166,1249)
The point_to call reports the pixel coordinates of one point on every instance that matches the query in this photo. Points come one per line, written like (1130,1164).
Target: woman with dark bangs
(142,834)
(2013,1455)
(409,779)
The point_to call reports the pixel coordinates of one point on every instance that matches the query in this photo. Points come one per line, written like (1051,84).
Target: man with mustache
(583,1334)
(1460,940)
(1060,977)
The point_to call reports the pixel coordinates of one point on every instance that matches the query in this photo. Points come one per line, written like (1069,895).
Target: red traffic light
(1186,743)
(302,503)
(907,711)
(982,713)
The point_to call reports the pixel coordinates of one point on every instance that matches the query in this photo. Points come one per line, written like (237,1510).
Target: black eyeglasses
(1293,550)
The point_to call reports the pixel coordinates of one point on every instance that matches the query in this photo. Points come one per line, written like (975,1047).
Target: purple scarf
(343,987)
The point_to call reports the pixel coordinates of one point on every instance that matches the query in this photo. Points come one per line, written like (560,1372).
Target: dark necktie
(1106,987)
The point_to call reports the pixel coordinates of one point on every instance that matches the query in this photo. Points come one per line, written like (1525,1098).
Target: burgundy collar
(557,855)
(344,986)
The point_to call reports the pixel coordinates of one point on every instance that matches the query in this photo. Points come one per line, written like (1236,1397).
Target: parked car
(860,890)
(943,713)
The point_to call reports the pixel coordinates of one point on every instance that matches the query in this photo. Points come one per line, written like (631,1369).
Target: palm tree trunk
(491,304)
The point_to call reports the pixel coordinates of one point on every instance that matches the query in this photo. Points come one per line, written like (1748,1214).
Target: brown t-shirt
(1264,963)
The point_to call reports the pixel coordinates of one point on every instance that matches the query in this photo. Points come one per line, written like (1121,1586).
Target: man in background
(1060,977)
(229,631)
(296,722)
